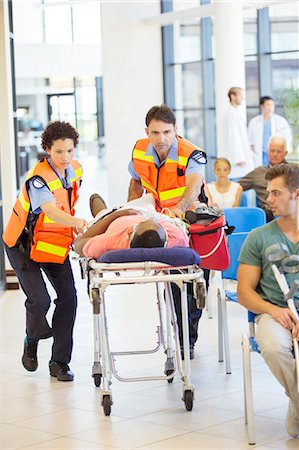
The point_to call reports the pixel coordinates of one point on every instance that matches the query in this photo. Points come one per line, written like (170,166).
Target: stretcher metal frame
(100,277)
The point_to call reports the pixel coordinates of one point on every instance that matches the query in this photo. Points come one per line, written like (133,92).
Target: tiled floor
(38,412)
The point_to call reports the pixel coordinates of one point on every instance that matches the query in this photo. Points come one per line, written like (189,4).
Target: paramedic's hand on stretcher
(63,218)
(80,225)
(177,212)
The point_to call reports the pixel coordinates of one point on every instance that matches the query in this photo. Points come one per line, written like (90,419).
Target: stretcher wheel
(97,377)
(188,400)
(169,372)
(106,405)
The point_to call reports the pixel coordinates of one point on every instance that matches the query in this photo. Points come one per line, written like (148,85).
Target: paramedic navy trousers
(38,301)
(194,314)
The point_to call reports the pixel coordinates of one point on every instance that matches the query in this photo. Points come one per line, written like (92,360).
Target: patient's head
(148,234)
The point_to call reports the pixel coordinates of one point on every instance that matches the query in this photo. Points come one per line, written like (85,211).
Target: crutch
(282,262)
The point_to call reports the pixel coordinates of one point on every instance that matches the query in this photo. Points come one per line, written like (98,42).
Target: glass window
(279,109)
(58,23)
(87,128)
(284,26)
(193,127)
(63,108)
(86,108)
(252,81)
(87,22)
(284,72)
(178,5)
(250,37)
(252,112)
(188,44)
(28,22)
(191,85)
(86,99)
(284,35)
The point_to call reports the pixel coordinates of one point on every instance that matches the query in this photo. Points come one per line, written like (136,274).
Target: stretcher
(160,266)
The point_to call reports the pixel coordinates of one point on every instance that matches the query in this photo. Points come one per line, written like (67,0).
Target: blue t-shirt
(253,253)
(192,167)
(266,136)
(39,193)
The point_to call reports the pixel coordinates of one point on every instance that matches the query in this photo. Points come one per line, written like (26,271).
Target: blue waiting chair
(244,220)
(235,242)
(248,197)
(244,200)
(249,345)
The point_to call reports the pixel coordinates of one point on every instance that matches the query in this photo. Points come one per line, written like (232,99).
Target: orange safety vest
(168,183)
(50,241)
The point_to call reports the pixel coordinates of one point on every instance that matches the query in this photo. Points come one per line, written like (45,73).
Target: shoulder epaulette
(199,156)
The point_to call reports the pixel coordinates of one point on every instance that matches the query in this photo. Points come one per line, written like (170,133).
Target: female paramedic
(38,238)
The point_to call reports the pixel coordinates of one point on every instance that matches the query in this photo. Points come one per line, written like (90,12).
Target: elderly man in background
(256,180)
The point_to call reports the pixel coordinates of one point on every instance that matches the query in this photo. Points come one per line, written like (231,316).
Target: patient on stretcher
(137,224)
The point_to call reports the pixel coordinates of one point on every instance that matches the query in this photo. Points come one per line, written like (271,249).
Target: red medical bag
(208,239)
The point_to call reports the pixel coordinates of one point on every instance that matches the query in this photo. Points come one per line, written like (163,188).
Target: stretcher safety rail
(144,266)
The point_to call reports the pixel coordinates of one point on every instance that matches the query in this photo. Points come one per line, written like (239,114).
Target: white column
(132,83)
(229,56)
(7,149)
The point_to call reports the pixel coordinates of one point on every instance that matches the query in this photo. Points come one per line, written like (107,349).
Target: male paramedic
(171,168)
(258,289)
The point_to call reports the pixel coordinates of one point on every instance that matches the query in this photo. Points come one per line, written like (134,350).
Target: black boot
(61,371)
(29,358)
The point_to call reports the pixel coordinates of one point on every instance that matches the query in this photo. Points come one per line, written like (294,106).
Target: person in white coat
(265,125)
(235,145)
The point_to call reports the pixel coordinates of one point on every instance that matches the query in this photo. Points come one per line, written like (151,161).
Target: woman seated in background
(223,192)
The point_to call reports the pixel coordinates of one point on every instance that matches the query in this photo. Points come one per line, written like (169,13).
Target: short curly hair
(58,130)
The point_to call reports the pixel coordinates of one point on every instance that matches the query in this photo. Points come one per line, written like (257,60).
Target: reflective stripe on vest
(55,184)
(48,220)
(140,154)
(148,187)
(25,205)
(78,173)
(51,248)
(182,161)
(171,193)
